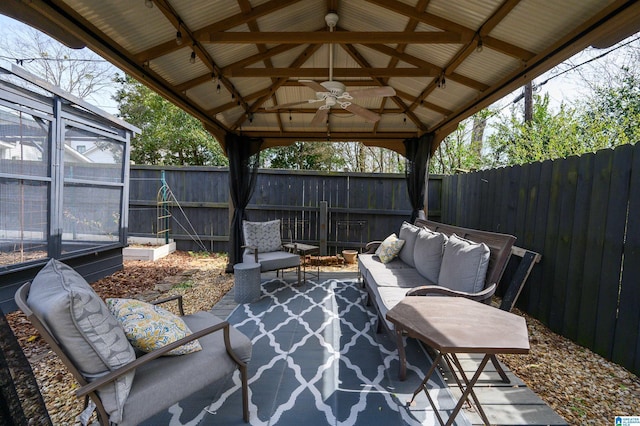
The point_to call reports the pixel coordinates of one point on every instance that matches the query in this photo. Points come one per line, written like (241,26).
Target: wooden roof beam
(223,25)
(447,25)
(338,37)
(337,72)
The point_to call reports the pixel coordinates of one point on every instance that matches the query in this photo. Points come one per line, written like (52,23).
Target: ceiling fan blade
(370,116)
(313,85)
(290,104)
(320,117)
(383,91)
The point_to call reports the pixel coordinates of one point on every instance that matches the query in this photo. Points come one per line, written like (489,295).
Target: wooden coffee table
(453,325)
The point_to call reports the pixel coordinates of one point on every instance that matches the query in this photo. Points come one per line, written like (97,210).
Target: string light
(178,37)
(480,46)
(192,59)
(290,118)
(218,88)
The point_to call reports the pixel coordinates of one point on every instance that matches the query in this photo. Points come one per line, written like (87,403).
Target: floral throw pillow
(149,327)
(389,248)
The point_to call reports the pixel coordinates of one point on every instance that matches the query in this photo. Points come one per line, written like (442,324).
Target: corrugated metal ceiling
(420,47)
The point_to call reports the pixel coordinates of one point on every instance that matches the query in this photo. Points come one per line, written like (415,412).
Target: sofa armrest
(254,250)
(371,247)
(103,380)
(427,290)
(177,297)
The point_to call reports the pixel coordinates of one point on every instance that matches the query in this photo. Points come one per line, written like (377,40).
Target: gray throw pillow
(88,333)
(408,233)
(427,254)
(464,265)
(263,235)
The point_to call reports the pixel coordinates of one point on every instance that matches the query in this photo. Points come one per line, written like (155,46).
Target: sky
(566,88)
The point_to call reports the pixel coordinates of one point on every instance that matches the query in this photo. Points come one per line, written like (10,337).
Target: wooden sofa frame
(501,248)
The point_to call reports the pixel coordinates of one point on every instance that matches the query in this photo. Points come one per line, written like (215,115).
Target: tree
(304,156)
(169,135)
(460,151)
(79,72)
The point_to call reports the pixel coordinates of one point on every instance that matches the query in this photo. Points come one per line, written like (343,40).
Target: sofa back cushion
(427,254)
(464,265)
(81,322)
(408,233)
(263,235)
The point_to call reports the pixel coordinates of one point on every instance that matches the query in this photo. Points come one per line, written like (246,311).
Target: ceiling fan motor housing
(334,87)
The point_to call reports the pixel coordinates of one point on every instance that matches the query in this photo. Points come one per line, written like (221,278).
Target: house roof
(444,59)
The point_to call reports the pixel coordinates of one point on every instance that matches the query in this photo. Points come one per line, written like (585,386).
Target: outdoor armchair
(93,346)
(263,245)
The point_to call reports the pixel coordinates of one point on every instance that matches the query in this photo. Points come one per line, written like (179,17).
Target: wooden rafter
(286,37)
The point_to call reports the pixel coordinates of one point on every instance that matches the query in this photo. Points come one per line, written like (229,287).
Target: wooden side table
(305,250)
(452,325)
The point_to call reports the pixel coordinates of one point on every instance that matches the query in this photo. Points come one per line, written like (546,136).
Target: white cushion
(263,235)
(464,265)
(389,248)
(427,254)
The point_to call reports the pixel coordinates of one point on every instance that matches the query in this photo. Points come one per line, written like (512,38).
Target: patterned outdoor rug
(317,360)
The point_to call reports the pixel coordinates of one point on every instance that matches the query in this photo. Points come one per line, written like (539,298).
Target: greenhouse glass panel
(24,143)
(88,156)
(91,216)
(23,221)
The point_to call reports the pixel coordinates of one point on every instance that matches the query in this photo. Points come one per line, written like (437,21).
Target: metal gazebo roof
(445,59)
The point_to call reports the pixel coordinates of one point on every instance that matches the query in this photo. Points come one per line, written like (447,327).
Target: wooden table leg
(469,390)
(401,354)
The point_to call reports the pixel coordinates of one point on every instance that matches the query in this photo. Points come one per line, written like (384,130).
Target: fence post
(323,219)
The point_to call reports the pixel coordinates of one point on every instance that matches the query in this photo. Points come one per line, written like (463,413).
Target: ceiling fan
(334,92)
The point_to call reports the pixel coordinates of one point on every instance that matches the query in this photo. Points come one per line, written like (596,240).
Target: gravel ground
(579,385)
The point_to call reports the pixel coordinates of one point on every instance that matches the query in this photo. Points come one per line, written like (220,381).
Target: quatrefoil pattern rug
(317,360)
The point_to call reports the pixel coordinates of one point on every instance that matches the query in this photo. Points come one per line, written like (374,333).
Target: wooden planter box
(148,249)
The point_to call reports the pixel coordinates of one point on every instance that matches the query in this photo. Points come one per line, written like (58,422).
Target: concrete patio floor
(504,403)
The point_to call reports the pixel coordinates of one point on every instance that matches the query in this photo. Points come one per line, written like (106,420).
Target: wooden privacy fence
(336,210)
(583,215)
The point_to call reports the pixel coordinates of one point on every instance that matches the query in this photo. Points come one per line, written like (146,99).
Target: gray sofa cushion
(408,233)
(386,298)
(86,330)
(427,255)
(397,277)
(464,265)
(166,379)
(274,260)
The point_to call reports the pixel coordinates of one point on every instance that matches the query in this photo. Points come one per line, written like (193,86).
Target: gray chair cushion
(167,379)
(263,235)
(464,265)
(408,233)
(80,321)
(427,255)
(274,260)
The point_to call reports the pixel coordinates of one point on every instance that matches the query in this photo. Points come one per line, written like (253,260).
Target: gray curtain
(20,400)
(244,158)
(417,154)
